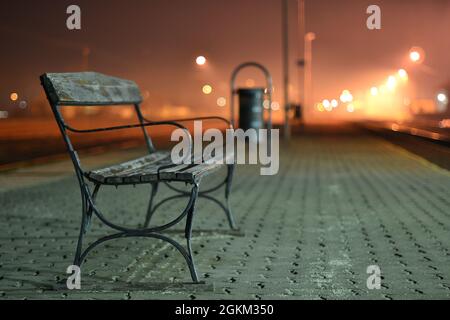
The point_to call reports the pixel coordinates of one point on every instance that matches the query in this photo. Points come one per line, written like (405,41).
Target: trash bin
(251,108)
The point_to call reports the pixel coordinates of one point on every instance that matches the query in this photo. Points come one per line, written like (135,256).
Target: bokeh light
(441,97)
(346,96)
(416,55)
(221,102)
(391,83)
(23,104)
(200,60)
(403,74)
(374,91)
(275,106)
(207,89)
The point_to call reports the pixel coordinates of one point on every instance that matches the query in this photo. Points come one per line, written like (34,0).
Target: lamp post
(301,52)
(308,87)
(285,34)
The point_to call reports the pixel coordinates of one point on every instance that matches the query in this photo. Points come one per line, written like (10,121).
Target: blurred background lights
(334,103)
(14,96)
(391,83)
(346,96)
(23,104)
(207,89)
(442,101)
(200,60)
(416,55)
(403,74)
(350,108)
(221,102)
(275,106)
(320,107)
(326,103)
(374,91)
(442,97)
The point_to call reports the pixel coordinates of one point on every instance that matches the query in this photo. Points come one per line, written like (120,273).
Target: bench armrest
(145,124)
(230,125)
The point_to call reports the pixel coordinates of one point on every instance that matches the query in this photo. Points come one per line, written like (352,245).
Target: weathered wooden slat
(145,169)
(89,88)
(198,171)
(129,166)
(170,174)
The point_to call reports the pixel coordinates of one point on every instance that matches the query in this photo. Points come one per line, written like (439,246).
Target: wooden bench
(95,89)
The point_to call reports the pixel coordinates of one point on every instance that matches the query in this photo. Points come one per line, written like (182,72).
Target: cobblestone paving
(339,204)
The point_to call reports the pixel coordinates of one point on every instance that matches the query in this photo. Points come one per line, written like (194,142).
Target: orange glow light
(403,74)
(391,83)
(416,54)
(14,96)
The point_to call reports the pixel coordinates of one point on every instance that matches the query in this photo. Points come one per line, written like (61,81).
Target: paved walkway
(341,202)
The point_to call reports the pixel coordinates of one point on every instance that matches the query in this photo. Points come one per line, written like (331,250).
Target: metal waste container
(251,108)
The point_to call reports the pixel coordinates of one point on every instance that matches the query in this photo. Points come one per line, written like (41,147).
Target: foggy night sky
(155,42)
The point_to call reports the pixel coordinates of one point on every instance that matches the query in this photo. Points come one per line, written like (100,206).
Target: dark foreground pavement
(341,202)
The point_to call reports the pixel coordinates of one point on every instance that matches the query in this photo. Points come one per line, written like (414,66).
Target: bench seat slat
(145,169)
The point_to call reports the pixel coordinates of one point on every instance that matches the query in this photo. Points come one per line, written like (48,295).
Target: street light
(416,55)
(442,97)
(308,90)
(442,100)
(200,60)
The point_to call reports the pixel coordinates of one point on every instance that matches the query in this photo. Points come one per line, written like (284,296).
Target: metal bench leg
(77,261)
(89,208)
(188,234)
(150,204)
(85,220)
(229,181)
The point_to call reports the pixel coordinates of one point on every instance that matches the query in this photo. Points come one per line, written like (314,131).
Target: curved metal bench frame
(227,182)
(78,90)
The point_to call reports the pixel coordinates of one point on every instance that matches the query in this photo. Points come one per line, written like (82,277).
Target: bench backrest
(89,89)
